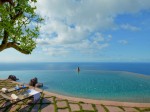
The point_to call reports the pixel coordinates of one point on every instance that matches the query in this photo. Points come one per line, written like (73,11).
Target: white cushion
(14,97)
(4,90)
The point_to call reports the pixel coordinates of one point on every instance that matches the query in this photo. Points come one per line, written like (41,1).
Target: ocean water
(104,81)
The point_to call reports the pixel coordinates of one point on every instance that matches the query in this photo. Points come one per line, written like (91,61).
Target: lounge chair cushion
(14,97)
(4,90)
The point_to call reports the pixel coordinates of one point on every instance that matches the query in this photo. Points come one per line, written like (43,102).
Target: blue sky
(90,31)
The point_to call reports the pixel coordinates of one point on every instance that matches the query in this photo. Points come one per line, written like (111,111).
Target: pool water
(93,84)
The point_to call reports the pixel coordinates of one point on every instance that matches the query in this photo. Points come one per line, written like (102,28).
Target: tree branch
(17,15)
(13,45)
(4,41)
(5,38)
(2,47)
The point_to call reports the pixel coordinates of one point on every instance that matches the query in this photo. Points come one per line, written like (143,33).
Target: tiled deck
(49,103)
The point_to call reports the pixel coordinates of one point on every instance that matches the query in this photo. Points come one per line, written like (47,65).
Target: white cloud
(124,42)
(52,51)
(74,22)
(130,27)
(109,38)
(84,47)
(98,37)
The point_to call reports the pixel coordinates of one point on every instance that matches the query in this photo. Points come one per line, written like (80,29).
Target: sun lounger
(5,90)
(13,98)
(9,91)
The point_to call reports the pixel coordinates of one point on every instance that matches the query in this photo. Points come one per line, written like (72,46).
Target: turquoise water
(94,84)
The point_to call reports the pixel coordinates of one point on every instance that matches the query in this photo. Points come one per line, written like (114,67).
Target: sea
(126,82)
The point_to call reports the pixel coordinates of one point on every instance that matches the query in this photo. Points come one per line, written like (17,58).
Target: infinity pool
(103,85)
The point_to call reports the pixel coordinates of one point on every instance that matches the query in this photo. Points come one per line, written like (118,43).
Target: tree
(19,25)
(9,1)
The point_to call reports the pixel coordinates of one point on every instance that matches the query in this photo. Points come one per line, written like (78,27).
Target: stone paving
(53,104)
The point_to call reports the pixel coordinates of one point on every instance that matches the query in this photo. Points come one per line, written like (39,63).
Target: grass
(63,108)
(138,109)
(105,108)
(41,101)
(68,105)
(81,109)
(146,110)
(55,105)
(32,105)
(121,108)
(94,107)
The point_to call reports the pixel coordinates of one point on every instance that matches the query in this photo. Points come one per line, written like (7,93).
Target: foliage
(19,26)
